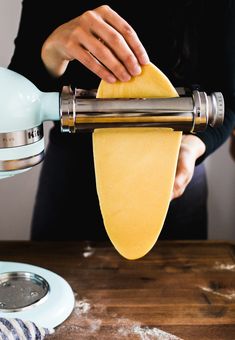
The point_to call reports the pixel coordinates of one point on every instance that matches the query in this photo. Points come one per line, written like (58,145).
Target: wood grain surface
(179,290)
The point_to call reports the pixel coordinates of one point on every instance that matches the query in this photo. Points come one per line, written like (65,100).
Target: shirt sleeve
(215,137)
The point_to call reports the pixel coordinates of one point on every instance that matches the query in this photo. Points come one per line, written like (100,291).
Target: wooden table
(179,290)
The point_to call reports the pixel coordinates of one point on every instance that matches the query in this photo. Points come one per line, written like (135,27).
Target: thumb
(179,184)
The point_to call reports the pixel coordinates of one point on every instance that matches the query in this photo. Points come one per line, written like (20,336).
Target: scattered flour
(229,295)
(88,251)
(223,266)
(82,307)
(88,317)
(145,333)
(95,325)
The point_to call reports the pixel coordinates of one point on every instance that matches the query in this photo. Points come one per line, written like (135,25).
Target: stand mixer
(24,108)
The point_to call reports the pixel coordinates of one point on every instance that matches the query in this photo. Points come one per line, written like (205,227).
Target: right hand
(99,39)
(191,148)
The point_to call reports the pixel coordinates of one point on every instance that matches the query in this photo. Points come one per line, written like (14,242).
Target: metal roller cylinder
(82,111)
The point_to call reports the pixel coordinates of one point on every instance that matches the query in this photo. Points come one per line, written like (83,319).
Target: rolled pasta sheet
(135,168)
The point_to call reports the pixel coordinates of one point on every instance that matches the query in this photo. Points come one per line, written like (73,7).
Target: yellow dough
(135,169)
(151,83)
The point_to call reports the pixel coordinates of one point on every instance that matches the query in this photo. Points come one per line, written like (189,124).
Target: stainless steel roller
(80,110)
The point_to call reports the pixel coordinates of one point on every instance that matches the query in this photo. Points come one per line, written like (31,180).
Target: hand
(191,149)
(101,40)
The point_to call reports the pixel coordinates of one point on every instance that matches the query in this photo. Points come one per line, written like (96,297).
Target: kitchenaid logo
(35,133)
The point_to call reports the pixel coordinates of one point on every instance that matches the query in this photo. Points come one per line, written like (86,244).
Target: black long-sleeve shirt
(192,42)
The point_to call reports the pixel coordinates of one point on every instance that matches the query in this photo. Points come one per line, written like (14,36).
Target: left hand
(191,149)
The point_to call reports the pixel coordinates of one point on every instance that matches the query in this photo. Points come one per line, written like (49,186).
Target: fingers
(184,171)
(126,31)
(88,60)
(104,56)
(180,184)
(101,40)
(113,42)
(115,53)
(191,148)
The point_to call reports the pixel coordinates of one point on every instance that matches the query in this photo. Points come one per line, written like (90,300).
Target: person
(78,43)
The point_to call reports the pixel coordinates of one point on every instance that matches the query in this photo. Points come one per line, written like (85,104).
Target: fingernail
(126,77)
(144,59)
(136,70)
(111,79)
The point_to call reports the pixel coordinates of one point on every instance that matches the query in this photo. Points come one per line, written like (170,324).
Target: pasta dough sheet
(135,169)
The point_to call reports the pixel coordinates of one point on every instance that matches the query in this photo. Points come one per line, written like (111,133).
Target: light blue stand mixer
(24,108)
